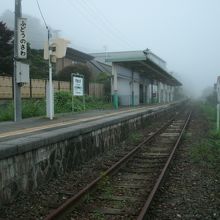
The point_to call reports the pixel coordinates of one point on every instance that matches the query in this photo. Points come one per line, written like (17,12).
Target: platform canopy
(146,63)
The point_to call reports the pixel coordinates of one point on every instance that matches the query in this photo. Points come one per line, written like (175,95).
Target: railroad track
(127,188)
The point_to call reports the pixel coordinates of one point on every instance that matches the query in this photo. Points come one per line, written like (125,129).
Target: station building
(74,57)
(139,77)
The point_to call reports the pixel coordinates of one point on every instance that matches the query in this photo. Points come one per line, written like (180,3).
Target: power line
(105,20)
(83,10)
(38,5)
(97,24)
(89,10)
(86,9)
(85,17)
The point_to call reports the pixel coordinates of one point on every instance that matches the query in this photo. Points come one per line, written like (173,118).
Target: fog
(36,31)
(185,34)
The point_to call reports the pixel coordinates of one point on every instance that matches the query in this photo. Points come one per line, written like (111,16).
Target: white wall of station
(144,90)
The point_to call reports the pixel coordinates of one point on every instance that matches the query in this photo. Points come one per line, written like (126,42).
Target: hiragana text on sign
(22,38)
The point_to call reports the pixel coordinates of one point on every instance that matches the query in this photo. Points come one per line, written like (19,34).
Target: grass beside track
(206,151)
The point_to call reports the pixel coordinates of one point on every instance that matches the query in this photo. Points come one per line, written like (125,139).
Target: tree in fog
(38,66)
(209,96)
(105,79)
(65,74)
(6,51)
(36,31)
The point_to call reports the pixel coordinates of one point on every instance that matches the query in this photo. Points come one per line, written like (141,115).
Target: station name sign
(77,86)
(22,38)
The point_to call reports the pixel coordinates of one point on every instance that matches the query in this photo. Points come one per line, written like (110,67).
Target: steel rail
(159,180)
(69,203)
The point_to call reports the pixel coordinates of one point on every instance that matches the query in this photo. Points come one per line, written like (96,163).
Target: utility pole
(217,123)
(54,49)
(115,86)
(50,101)
(218,102)
(17,88)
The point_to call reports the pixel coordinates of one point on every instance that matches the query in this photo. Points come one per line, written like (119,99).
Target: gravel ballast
(191,190)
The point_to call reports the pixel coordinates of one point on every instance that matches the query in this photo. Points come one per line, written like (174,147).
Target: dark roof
(77,55)
(102,67)
(141,61)
(151,70)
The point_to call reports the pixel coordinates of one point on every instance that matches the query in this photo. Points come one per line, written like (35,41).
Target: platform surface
(39,125)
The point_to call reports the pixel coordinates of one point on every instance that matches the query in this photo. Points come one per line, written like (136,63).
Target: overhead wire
(103,24)
(38,5)
(108,26)
(107,22)
(96,24)
(39,43)
(89,21)
(83,14)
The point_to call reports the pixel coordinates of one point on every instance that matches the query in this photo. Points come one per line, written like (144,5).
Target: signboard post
(77,87)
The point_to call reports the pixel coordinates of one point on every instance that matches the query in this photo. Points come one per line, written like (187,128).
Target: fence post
(30,87)
(45,88)
(12,81)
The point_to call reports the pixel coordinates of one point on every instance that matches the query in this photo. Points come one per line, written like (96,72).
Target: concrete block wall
(27,162)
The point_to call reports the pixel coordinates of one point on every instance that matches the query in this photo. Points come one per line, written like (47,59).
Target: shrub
(65,74)
(7,112)
(62,104)
(33,107)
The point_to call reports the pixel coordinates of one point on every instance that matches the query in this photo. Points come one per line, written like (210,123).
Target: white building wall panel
(124,91)
(137,77)
(122,71)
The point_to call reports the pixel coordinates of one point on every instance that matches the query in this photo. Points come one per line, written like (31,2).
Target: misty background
(185,34)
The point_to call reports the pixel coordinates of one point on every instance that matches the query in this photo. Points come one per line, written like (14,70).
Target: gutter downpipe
(152,98)
(115,86)
(132,88)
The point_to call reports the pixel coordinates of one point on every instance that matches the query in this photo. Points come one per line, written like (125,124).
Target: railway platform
(26,127)
(37,149)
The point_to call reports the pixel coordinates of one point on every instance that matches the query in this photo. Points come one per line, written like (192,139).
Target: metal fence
(37,88)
